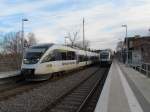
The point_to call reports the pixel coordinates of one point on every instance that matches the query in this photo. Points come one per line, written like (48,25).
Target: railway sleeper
(66,107)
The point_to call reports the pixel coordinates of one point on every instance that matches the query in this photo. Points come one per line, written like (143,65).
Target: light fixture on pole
(66,44)
(66,40)
(126,27)
(23,20)
(83,35)
(126,35)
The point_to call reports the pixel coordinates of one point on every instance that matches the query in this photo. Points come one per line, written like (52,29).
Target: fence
(143,68)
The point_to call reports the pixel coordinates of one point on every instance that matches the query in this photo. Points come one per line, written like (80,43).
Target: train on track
(105,57)
(42,61)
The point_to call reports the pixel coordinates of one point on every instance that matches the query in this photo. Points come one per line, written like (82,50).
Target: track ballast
(83,97)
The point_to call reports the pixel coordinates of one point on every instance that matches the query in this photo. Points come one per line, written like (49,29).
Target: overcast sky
(51,20)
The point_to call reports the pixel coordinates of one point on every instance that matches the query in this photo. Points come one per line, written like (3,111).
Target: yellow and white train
(42,61)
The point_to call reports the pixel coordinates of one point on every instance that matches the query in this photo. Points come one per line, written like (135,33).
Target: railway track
(92,99)
(83,97)
(22,86)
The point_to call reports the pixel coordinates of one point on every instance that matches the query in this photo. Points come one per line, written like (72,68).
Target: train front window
(104,56)
(32,56)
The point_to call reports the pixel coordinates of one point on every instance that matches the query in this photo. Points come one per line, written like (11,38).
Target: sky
(52,20)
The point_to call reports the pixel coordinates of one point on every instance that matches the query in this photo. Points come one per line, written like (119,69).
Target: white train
(41,61)
(105,57)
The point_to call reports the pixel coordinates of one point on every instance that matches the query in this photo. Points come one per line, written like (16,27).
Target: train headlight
(26,61)
(30,61)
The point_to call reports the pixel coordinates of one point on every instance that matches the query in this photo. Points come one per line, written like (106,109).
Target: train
(42,61)
(105,57)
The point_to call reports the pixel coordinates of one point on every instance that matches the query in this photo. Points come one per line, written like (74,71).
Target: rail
(99,83)
(78,95)
(142,68)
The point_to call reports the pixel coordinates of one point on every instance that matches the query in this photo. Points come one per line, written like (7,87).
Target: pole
(66,44)
(126,37)
(65,41)
(83,35)
(127,44)
(84,41)
(22,37)
(23,20)
(17,60)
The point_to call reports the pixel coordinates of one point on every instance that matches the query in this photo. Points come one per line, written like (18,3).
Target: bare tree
(12,50)
(10,42)
(72,37)
(31,39)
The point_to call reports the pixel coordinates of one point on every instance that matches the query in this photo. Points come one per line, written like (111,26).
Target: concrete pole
(23,20)
(127,44)
(22,37)
(126,36)
(83,36)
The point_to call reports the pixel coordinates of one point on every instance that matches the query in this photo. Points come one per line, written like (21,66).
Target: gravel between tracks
(37,99)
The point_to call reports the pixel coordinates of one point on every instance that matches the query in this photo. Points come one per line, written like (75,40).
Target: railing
(143,68)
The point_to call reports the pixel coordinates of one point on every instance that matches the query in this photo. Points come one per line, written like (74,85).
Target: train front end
(105,58)
(31,62)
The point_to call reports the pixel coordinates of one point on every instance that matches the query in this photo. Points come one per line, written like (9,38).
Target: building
(138,49)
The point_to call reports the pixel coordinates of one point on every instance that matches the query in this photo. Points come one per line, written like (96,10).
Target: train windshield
(32,56)
(104,55)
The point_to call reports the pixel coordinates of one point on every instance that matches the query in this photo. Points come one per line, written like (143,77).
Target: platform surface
(125,90)
(9,74)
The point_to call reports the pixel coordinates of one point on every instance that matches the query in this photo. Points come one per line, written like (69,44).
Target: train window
(68,55)
(48,58)
(104,56)
(57,54)
(85,58)
(53,56)
(79,58)
(71,55)
(82,58)
(64,55)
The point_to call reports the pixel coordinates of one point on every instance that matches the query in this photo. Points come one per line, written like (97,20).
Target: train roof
(63,47)
(47,45)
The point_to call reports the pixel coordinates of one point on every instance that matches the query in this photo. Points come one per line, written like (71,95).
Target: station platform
(125,90)
(9,77)
(9,74)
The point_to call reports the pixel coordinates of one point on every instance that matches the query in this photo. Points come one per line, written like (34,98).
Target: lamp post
(23,20)
(83,35)
(65,40)
(66,44)
(126,35)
